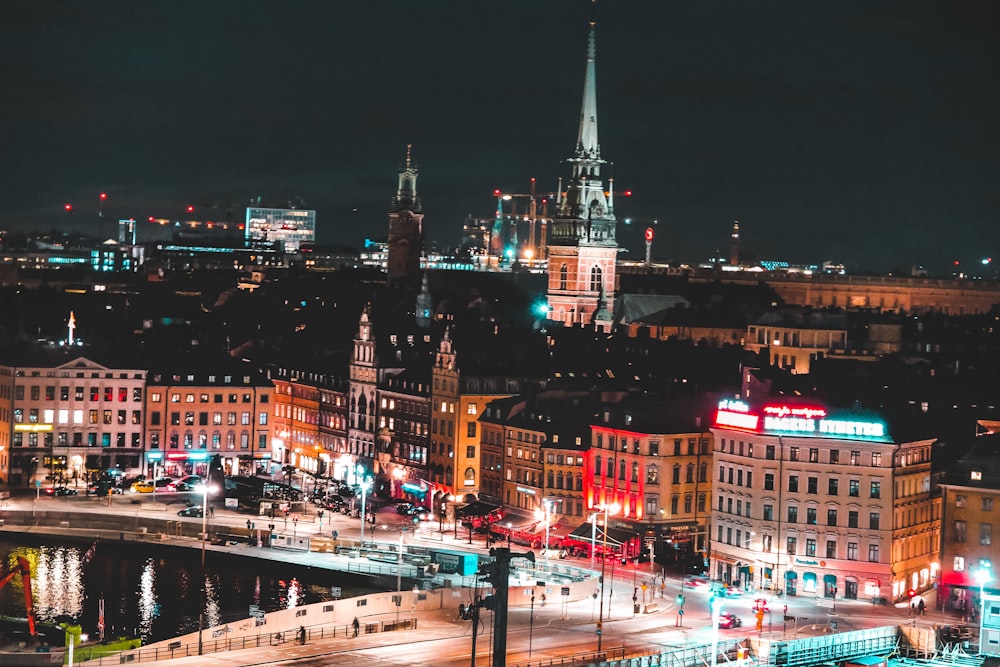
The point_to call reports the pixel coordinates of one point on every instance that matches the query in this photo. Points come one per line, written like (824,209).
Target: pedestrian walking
(356,625)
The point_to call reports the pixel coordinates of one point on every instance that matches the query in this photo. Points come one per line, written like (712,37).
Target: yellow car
(141,487)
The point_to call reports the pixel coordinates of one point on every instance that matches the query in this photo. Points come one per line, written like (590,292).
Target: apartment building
(74,419)
(820,501)
(970,493)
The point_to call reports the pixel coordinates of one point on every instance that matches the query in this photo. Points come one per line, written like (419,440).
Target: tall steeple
(585,198)
(586,142)
(582,249)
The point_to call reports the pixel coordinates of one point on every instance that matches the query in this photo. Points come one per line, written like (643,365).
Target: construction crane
(24,569)
(533,251)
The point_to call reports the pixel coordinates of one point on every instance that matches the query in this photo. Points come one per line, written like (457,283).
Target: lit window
(976,475)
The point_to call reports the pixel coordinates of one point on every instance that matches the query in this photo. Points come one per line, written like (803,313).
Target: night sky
(857,131)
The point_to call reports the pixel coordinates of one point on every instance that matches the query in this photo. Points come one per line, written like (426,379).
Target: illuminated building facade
(75,419)
(193,416)
(652,459)
(792,339)
(582,248)
(970,496)
(818,501)
(284,229)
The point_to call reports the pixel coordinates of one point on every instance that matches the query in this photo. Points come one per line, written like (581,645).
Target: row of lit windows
(741,538)
(79,393)
(203,418)
(690,446)
(92,439)
(795,453)
(157,397)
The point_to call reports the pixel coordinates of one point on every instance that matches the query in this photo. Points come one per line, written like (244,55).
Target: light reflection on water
(154,592)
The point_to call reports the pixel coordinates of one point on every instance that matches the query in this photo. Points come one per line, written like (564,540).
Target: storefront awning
(615,536)
(477,508)
(791,575)
(829,578)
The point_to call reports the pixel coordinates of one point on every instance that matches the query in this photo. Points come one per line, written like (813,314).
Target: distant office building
(283,228)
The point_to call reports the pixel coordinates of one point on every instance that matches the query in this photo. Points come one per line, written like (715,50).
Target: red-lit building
(651,458)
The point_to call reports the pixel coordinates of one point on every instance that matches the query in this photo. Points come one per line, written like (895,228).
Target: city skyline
(860,134)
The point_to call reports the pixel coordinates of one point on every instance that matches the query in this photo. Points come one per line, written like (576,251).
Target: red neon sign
(737,419)
(795,411)
(649,233)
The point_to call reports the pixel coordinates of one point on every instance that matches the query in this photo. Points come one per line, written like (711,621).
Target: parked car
(163,482)
(418,511)
(59,491)
(404,508)
(193,511)
(729,620)
(142,487)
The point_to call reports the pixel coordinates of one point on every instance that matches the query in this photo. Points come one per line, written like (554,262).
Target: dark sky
(858,131)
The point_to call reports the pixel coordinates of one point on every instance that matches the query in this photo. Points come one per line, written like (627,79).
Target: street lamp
(548,506)
(983,575)
(399,572)
(716,608)
(365,485)
(608,509)
(206,490)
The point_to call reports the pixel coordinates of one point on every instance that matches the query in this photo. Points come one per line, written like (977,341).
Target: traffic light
(600,627)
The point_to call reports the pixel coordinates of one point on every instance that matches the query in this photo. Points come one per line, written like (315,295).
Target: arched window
(550,478)
(621,470)
(652,474)
(676,479)
(559,480)
(579,482)
(611,468)
(595,279)
(563,276)
(689,474)
(703,472)
(597,466)
(470,476)
(635,471)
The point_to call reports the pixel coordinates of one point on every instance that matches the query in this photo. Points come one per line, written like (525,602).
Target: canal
(156,592)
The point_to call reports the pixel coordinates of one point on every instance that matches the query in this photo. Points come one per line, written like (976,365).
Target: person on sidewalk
(356,626)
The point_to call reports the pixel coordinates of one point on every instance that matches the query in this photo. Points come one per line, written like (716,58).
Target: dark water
(155,592)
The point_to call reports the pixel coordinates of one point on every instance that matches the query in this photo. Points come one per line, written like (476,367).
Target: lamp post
(547,505)
(716,604)
(365,484)
(608,509)
(593,538)
(206,489)
(399,572)
(510,531)
(983,575)
(454,515)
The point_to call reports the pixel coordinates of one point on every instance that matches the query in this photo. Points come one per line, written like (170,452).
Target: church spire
(587,145)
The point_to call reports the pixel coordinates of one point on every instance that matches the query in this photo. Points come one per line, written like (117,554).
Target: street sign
(565,590)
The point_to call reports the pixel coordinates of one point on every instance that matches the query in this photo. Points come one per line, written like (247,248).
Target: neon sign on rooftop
(809,421)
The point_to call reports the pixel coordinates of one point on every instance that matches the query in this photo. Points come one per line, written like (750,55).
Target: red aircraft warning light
(190,209)
(104,195)
(68,207)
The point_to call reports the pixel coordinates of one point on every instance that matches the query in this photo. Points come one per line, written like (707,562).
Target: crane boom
(24,569)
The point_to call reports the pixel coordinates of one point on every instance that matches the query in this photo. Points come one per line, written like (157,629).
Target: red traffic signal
(627,193)
(496,193)
(912,593)
(104,195)
(190,209)
(68,207)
